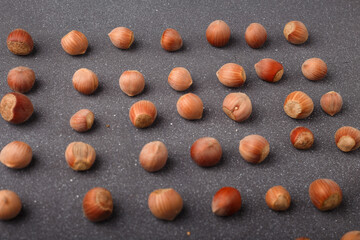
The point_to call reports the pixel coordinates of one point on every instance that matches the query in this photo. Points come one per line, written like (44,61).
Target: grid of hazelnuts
(166,204)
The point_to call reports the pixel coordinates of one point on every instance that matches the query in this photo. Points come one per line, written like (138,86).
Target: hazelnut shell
(19,42)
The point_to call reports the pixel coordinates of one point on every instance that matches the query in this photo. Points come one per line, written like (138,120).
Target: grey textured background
(52,193)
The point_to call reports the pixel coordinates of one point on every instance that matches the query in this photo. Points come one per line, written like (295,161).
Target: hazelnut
(19,42)
(153,156)
(74,43)
(237,106)
(82,120)
(255,35)
(353,235)
(132,82)
(269,70)
(231,75)
(314,69)
(165,204)
(121,37)
(331,103)
(180,79)
(226,202)
(302,238)
(21,79)
(16,155)
(142,114)
(325,194)
(206,152)
(347,138)
(97,204)
(298,105)
(171,40)
(218,33)
(278,198)
(295,32)
(80,156)
(85,81)
(16,108)
(254,148)
(190,106)
(10,205)
(302,138)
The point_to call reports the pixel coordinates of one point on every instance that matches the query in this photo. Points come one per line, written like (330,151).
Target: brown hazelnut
(121,37)
(132,82)
(85,81)
(347,138)
(142,114)
(16,108)
(237,106)
(19,42)
(254,148)
(325,194)
(97,204)
(314,69)
(298,105)
(190,106)
(82,120)
(218,33)
(255,35)
(278,198)
(16,155)
(231,75)
(10,205)
(269,70)
(153,156)
(21,79)
(353,235)
(171,40)
(80,156)
(206,151)
(295,32)
(331,103)
(74,43)
(180,79)
(165,204)
(226,202)
(301,138)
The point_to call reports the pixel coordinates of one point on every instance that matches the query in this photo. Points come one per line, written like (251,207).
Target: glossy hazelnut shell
(16,108)
(165,204)
(296,32)
(171,40)
(347,138)
(314,69)
(19,42)
(218,33)
(255,35)
(352,235)
(180,79)
(254,148)
(206,152)
(190,106)
(85,81)
(98,204)
(80,156)
(121,37)
(231,75)
(82,120)
(302,138)
(269,70)
(74,43)
(142,114)
(153,156)
(10,205)
(298,105)
(21,79)
(325,194)
(16,155)
(132,82)
(226,202)
(237,106)
(331,103)
(278,198)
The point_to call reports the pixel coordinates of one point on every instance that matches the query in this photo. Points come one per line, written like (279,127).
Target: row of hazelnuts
(218,34)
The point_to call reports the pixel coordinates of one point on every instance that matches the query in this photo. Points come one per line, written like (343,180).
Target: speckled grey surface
(52,193)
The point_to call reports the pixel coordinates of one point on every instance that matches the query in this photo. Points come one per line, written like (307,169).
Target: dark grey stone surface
(52,193)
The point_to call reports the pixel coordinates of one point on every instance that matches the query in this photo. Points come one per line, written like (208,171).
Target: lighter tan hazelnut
(97,204)
(85,81)
(121,37)
(171,40)
(231,75)
(254,148)
(255,35)
(165,204)
(190,106)
(19,42)
(298,105)
(74,43)
(237,106)
(347,138)
(80,156)
(10,205)
(142,114)
(82,120)
(153,156)
(269,70)
(132,82)
(16,108)
(16,155)
(325,194)
(21,79)
(218,33)
(295,32)
(180,79)
(314,69)
(278,198)
(331,103)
